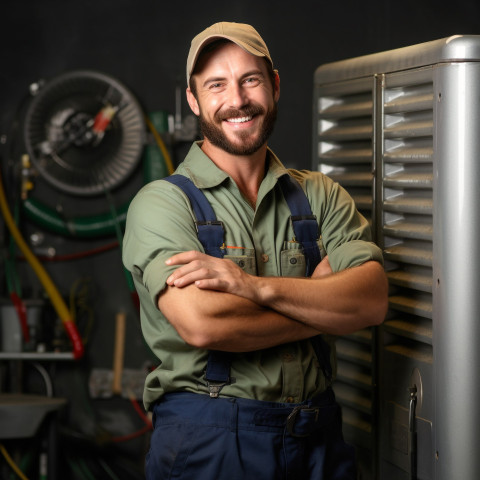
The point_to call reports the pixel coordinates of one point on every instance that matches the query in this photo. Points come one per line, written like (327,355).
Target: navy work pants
(200,438)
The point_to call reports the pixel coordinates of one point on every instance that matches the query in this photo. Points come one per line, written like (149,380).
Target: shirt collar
(205,174)
(202,171)
(275,166)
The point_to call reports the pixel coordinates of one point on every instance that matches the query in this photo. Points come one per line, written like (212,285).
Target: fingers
(185,257)
(207,272)
(200,277)
(187,274)
(198,268)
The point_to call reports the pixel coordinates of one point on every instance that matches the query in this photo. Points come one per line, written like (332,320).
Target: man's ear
(276,92)
(192,101)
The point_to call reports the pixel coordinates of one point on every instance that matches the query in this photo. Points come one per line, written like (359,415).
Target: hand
(210,273)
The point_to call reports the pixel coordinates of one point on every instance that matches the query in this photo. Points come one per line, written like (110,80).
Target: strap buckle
(292,418)
(209,223)
(215,387)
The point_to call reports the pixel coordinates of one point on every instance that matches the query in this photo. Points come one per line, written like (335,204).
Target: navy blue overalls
(207,437)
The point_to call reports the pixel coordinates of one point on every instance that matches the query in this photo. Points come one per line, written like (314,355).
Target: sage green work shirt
(160,223)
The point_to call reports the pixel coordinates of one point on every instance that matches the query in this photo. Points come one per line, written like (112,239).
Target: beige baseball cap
(245,36)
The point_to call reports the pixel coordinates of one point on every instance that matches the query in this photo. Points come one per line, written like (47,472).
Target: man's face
(236,102)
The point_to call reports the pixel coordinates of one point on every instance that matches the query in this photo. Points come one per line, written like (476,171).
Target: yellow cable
(52,291)
(12,464)
(161,145)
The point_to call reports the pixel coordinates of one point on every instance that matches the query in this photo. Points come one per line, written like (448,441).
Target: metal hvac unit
(400,130)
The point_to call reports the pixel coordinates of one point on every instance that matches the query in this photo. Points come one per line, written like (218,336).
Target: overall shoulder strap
(305,228)
(211,235)
(305,225)
(210,231)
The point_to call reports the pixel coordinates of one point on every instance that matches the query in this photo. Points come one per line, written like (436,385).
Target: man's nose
(237,96)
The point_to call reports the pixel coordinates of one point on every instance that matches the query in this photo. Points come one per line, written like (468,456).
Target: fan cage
(58,135)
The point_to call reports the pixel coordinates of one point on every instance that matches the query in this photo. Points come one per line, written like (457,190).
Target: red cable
(22,315)
(148,424)
(140,412)
(78,255)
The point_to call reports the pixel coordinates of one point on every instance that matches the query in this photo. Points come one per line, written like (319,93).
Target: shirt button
(265,258)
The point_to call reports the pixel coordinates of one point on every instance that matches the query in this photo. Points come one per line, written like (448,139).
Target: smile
(239,119)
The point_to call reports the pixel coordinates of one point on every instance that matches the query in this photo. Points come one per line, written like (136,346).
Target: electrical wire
(148,423)
(21,310)
(161,145)
(78,255)
(50,287)
(15,277)
(46,378)
(118,233)
(78,305)
(14,287)
(139,410)
(12,464)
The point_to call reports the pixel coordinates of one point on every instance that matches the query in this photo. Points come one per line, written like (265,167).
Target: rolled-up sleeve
(159,224)
(346,234)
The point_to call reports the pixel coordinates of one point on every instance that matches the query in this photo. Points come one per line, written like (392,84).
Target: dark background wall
(144,44)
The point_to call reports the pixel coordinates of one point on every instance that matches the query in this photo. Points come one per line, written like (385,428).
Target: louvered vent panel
(407,213)
(345,153)
(345,131)
(423,106)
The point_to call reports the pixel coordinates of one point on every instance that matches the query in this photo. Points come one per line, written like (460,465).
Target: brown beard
(217,137)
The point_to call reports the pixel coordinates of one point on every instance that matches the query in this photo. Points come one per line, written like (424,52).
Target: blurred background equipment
(84,132)
(78,139)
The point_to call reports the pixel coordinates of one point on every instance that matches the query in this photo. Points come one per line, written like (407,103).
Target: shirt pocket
(292,259)
(243,257)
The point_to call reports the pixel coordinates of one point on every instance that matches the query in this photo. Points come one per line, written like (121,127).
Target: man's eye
(251,81)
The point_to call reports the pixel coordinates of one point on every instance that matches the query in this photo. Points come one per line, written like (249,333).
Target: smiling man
(243,119)
(241,298)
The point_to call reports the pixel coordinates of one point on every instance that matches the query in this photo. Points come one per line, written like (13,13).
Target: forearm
(337,304)
(222,321)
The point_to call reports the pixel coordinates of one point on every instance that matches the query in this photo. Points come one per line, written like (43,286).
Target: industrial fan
(84,132)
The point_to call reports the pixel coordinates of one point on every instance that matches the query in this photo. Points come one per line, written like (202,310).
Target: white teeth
(239,120)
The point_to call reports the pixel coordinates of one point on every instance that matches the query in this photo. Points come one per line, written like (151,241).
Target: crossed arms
(214,304)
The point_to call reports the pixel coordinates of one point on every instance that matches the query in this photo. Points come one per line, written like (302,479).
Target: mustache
(247,111)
